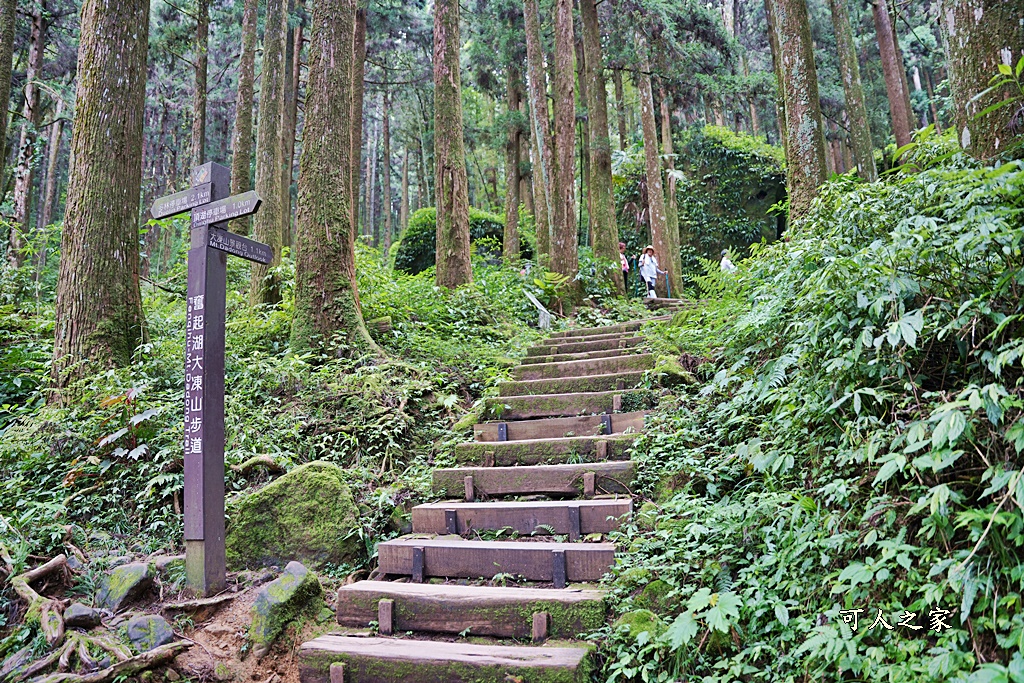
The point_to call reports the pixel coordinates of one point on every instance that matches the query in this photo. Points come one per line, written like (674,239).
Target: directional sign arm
(180,202)
(225,209)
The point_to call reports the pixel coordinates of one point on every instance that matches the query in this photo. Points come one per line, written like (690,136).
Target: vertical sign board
(203,440)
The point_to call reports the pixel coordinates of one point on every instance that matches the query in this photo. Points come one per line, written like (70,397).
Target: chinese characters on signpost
(204,360)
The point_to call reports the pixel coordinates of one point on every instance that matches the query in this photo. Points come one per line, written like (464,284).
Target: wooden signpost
(211,206)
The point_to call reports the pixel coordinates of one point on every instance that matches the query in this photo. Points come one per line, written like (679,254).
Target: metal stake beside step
(606,424)
(502,431)
(574,523)
(451,521)
(417,565)
(558,569)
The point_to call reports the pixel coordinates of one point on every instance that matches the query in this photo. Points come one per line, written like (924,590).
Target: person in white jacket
(649,270)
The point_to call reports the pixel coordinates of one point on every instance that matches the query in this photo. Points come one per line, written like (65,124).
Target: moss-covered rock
(286,597)
(125,584)
(671,371)
(639,621)
(148,632)
(654,596)
(307,515)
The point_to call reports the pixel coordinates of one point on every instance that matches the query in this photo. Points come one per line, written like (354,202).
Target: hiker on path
(649,270)
(625,265)
(727,265)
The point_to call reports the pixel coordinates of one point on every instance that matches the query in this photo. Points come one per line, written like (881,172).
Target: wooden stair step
(531,560)
(558,427)
(556,405)
(568,385)
(569,517)
(566,346)
(386,660)
(480,610)
(611,336)
(544,451)
(549,480)
(618,328)
(583,368)
(558,358)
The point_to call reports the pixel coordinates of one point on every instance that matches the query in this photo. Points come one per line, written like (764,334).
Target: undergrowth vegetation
(855,446)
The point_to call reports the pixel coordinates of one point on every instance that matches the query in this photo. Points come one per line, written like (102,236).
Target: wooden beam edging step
(531,560)
(586,367)
(544,451)
(559,427)
(566,346)
(568,385)
(480,610)
(561,357)
(509,408)
(631,326)
(551,480)
(386,660)
(572,517)
(587,338)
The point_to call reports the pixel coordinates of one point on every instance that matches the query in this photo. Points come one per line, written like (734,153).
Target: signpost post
(211,206)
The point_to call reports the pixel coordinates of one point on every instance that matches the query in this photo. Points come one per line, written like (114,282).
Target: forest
(544,341)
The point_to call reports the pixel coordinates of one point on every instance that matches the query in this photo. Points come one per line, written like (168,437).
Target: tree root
(264,461)
(43,610)
(127,667)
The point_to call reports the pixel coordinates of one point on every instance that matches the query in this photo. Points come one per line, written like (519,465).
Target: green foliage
(858,447)
(416,251)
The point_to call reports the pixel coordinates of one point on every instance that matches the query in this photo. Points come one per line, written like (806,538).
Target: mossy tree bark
(805,139)
(241,137)
(510,241)
(263,288)
(403,211)
(780,82)
(7,18)
(450,180)
(660,238)
(98,308)
(537,83)
(326,295)
(32,117)
(979,36)
(620,108)
(602,218)
(293,71)
(853,90)
(564,238)
(386,179)
(892,66)
(357,65)
(674,265)
(201,57)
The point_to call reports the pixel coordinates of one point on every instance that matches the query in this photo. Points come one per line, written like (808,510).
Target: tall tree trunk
(99,308)
(357,64)
(241,137)
(849,72)
(543,186)
(263,287)
(326,294)
(386,178)
(620,108)
(660,238)
(197,150)
(979,36)
(53,156)
(780,83)
(289,128)
(403,212)
(602,218)
(450,180)
(584,147)
(671,208)
(32,115)
(8,17)
(892,66)
(805,146)
(510,241)
(372,227)
(931,100)
(564,258)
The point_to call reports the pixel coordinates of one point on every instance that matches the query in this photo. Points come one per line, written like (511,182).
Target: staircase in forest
(533,496)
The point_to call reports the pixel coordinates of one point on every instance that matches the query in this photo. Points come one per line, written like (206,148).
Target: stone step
(656,304)
(584,368)
(480,610)
(529,560)
(631,326)
(582,479)
(563,517)
(569,385)
(558,427)
(556,405)
(610,336)
(558,358)
(566,346)
(544,451)
(386,660)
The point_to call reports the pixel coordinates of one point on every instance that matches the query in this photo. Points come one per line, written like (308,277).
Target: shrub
(417,249)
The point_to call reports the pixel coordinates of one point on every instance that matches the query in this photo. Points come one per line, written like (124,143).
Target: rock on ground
(78,615)
(124,584)
(149,632)
(279,602)
(307,515)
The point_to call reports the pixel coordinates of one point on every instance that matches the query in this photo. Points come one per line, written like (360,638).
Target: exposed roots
(44,611)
